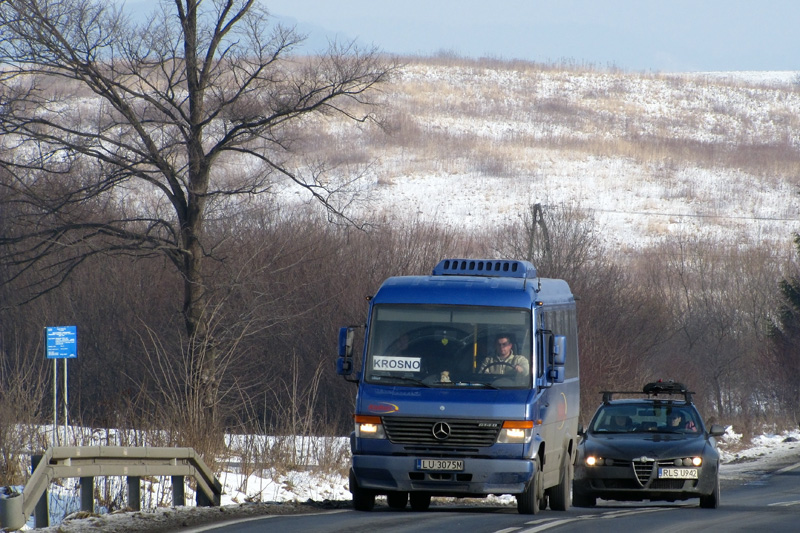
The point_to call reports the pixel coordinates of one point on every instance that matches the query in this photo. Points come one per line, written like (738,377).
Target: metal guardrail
(88,462)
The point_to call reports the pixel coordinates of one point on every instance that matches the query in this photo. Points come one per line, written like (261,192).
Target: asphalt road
(770,502)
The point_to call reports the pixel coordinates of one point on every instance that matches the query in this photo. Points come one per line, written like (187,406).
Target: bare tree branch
(112,133)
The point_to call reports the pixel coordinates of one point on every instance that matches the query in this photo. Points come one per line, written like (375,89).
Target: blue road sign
(62,342)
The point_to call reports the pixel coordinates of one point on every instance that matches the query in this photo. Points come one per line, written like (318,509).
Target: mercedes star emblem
(441,430)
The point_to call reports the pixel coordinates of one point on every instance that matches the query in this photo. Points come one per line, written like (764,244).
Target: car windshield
(449,346)
(646,418)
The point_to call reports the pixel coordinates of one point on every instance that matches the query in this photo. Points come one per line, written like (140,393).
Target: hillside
(472,143)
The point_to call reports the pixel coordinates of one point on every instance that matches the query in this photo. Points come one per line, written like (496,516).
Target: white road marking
(228,523)
(784,504)
(544,525)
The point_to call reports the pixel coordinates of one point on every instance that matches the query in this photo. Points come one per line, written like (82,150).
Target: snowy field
(305,491)
(480,149)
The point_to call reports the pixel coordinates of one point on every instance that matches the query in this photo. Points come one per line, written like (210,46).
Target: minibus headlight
(515,432)
(369,427)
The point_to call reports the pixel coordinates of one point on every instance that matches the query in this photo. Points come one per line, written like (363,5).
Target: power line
(690,215)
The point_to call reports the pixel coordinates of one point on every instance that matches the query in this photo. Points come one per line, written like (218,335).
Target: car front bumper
(636,481)
(479,477)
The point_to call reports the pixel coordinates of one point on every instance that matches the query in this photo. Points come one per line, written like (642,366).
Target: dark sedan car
(654,447)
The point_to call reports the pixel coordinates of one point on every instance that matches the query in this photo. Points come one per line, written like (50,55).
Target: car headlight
(593,460)
(689,461)
(369,427)
(516,432)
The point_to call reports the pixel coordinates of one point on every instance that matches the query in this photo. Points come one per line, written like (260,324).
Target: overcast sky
(641,35)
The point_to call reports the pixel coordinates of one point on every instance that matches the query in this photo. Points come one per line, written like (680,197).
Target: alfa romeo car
(653,447)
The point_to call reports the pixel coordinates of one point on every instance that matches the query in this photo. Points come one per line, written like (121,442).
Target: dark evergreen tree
(784,334)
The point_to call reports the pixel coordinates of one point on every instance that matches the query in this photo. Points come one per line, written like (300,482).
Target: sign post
(61,343)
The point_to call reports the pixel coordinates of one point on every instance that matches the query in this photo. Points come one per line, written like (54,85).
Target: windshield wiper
(474,384)
(415,381)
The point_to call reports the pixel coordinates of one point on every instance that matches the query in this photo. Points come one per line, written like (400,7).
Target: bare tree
(719,297)
(165,122)
(561,240)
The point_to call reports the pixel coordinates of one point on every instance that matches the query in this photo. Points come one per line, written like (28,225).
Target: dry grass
(446,112)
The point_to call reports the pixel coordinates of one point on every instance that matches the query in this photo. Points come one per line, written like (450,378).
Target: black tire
(397,500)
(530,501)
(560,496)
(363,499)
(581,499)
(711,501)
(420,501)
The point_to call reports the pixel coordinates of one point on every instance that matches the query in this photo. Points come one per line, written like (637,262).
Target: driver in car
(504,361)
(676,421)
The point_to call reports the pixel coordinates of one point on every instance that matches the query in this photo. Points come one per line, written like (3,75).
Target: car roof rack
(654,389)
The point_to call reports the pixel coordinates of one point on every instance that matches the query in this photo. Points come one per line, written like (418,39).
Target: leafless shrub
(22,392)
(561,240)
(718,296)
(496,165)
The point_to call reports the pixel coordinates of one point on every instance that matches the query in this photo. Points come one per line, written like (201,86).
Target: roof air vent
(485,267)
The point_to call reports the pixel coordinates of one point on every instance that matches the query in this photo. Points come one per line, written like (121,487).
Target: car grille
(643,470)
(670,484)
(420,431)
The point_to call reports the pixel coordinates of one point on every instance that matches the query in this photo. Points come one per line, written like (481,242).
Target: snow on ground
(786,77)
(764,453)
(600,187)
(306,492)
(635,201)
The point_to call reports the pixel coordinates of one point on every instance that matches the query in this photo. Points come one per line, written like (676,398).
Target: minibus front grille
(451,433)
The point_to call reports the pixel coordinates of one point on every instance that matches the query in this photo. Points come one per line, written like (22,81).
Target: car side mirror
(717,430)
(559,350)
(346,335)
(344,364)
(557,357)
(556,374)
